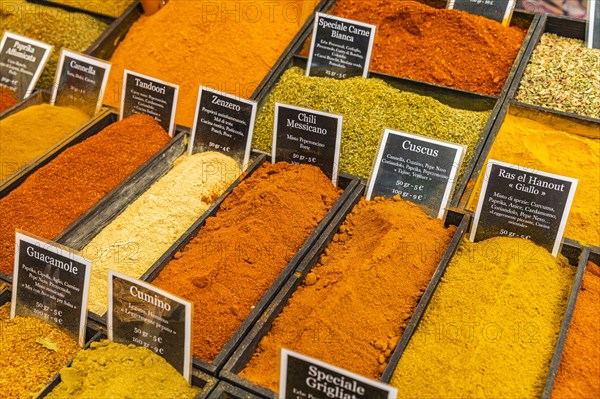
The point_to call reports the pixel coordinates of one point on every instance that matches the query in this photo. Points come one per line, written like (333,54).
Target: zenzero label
(307,136)
(303,377)
(340,48)
(224,123)
(22,61)
(145,95)
(498,10)
(417,168)
(141,314)
(593,28)
(524,203)
(51,283)
(80,82)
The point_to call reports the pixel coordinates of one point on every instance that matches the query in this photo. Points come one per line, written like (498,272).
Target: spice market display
(137,263)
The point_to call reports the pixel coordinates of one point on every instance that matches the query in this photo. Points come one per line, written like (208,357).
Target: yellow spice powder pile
(491,328)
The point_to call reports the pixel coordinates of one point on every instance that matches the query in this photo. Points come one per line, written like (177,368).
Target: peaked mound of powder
(57,194)
(111,370)
(447,47)
(491,327)
(354,305)
(225,45)
(239,253)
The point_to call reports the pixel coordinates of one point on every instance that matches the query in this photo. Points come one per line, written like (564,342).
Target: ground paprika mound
(239,253)
(447,47)
(491,327)
(31,132)
(555,146)
(228,45)
(579,373)
(27,362)
(354,305)
(58,193)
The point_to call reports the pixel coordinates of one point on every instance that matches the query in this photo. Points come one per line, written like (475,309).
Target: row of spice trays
(403,300)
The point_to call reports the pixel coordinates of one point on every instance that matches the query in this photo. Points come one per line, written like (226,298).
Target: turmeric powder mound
(26,365)
(33,131)
(579,373)
(354,305)
(238,254)
(58,193)
(226,45)
(492,324)
(546,147)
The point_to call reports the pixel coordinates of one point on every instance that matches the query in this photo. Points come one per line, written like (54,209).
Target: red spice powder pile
(239,253)
(579,373)
(355,304)
(58,193)
(447,47)
(7,98)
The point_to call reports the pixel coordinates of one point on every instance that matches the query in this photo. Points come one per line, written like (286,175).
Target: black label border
(83,58)
(285,353)
(319,15)
(338,139)
(187,361)
(593,31)
(564,216)
(507,15)
(129,73)
(253,104)
(458,160)
(60,250)
(48,50)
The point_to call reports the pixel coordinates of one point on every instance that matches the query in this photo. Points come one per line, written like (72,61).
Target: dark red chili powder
(58,193)
(7,98)
(447,47)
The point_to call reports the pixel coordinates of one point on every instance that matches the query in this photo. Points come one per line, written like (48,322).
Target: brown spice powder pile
(7,98)
(26,366)
(354,305)
(579,373)
(447,47)
(239,253)
(57,194)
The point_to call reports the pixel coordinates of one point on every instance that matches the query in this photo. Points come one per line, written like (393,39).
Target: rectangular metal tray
(228,391)
(83,230)
(37,98)
(244,352)
(562,26)
(577,257)
(463,200)
(347,182)
(102,121)
(446,95)
(523,19)
(201,380)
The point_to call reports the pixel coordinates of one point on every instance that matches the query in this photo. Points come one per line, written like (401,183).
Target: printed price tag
(417,168)
(303,135)
(593,27)
(80,82)
(223,123)
(22,61)
(305,377)
(51,282)
(498,10)
(524,203)
(145,95)
(340,48)
(141,314)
